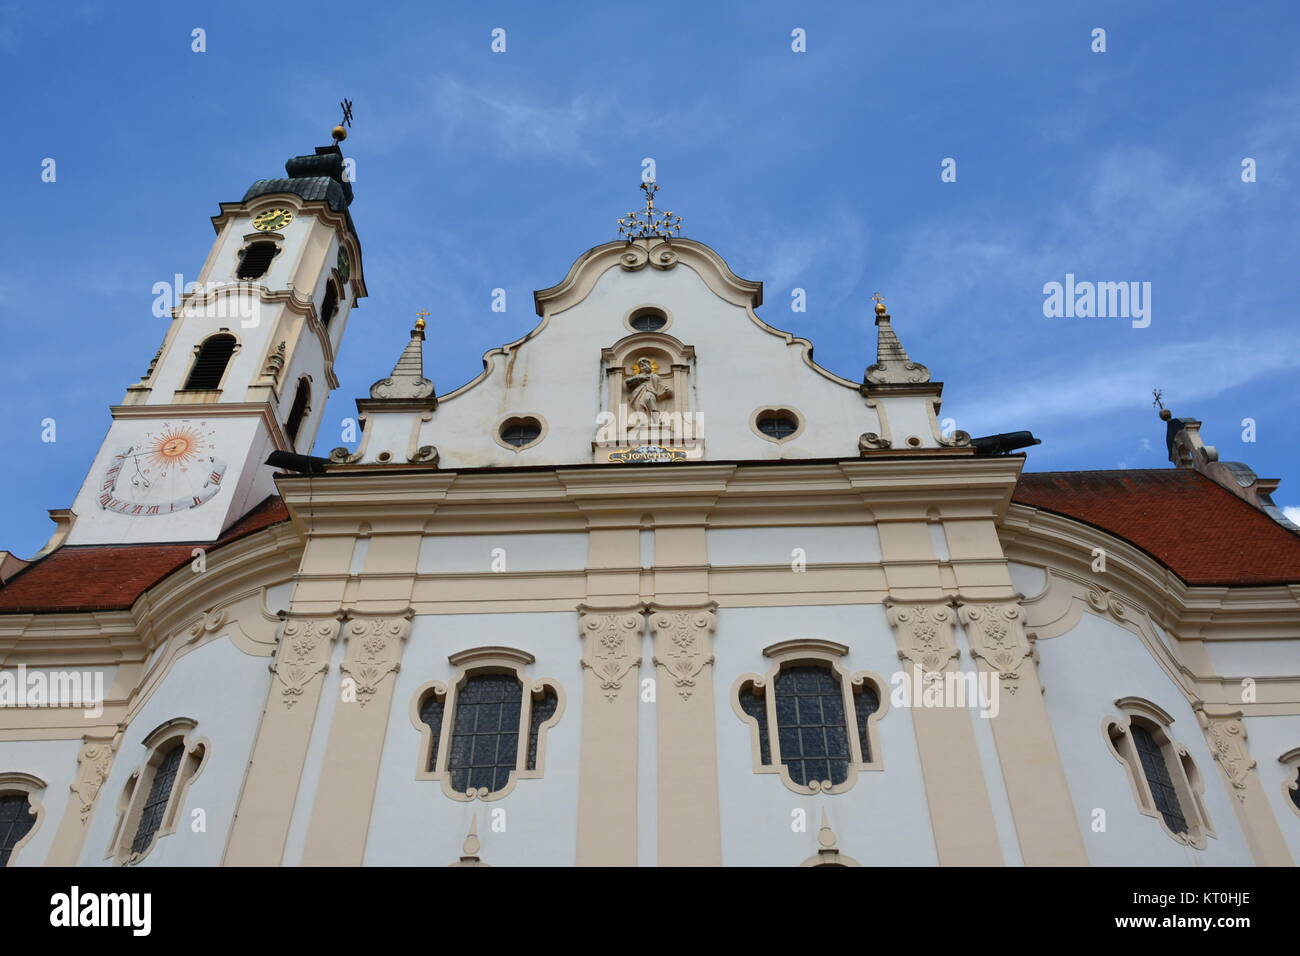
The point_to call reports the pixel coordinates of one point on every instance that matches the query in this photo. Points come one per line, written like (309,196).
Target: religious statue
(646,390)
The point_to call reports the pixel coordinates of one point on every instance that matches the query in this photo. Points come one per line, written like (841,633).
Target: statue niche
(648,397)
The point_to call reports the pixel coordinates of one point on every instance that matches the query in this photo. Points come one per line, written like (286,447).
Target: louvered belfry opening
(298,411)
(329,305)
(256,260)
(210,364)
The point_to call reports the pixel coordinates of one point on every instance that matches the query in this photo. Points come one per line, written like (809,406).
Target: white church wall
(224,690)
(1028,579)
(1083,673)
(55,762)
(883,819)
(824,544)
(1254,658)
(413,822)
(558,377)
(450,553)
(1269,738)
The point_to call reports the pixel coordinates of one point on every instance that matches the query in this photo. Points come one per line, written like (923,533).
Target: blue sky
(818,170)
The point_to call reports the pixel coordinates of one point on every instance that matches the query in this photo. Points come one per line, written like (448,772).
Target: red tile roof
(111,577)
(1202,532)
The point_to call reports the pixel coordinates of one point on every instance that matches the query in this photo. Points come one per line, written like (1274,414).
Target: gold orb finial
(339,134)
(880,303)
(419,319)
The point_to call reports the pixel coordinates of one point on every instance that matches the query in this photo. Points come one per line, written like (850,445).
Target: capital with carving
(611,646)
(924,636)
(683,643)
(302,653)
(997,637)
(93,762)
(374,651)
(1227,737)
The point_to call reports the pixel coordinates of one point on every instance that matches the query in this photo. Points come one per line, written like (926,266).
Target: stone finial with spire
(407,381)
(893,366)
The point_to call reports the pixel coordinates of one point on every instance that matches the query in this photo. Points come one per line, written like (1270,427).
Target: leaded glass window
(753,704)
(810,724)
(485,734)
(1156,769)
(431,712)
(543,710)
(160,791)
(865,703)
(1295,793)
(16,821)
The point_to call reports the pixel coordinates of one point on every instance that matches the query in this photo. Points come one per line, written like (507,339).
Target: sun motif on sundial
(169,470)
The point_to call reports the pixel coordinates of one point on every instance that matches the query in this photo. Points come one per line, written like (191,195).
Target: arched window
(210,363)
(485,729)
(151,801)
(330,304)
(1165,781)
(17,818)
(160,793)
(256,260)
(810,722)
(1291,781)
(298,411)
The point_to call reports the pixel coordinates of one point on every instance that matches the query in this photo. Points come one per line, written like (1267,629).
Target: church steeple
(245,366)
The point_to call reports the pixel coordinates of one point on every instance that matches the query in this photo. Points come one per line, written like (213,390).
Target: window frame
(16,783)
(1183,772)
(185,390)
(782,411)
(249,242)
(302,388)
(470,663)
(819,653)
(177,732)
(520,417)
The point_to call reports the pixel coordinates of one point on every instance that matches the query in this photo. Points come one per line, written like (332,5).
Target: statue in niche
(646,389)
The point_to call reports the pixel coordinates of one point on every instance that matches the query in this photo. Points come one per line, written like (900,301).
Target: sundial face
(172,468)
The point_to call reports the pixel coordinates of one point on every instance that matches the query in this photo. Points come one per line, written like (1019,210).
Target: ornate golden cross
(419,318)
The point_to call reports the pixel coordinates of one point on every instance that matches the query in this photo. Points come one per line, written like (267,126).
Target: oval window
(521,431)
(648,320)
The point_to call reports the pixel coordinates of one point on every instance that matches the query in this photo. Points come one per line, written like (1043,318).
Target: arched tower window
(330,304)
(298,411)
(256,260)
(210,363)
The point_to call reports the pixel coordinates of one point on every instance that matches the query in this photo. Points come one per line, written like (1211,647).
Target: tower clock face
(171,469)
(272,219)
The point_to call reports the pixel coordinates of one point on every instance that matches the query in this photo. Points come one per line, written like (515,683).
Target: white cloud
(1292,514)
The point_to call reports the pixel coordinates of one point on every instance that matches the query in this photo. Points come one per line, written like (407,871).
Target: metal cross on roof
(1158,396)
(347,112)
(650,222)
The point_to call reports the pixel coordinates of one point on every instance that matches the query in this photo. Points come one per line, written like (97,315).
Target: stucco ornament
(303,652)
(611,647)
(683,645)
(374,652)
(93,761)
(1228,743)
(924,635)
(997,636)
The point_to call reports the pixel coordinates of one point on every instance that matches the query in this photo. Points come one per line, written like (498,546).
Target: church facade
(655,588)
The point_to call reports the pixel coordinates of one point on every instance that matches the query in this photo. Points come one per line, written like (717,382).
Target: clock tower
(244,368)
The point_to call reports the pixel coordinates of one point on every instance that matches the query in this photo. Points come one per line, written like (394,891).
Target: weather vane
(1158,394)
(340,131)
(650,222)
(419,318)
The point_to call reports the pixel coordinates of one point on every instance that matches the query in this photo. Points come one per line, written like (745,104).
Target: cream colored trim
(32,787)
(341,812)
(1178,763)
(520,417)
(820,653)
(690,829)
(468,663)
(800,421)
(828,853)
